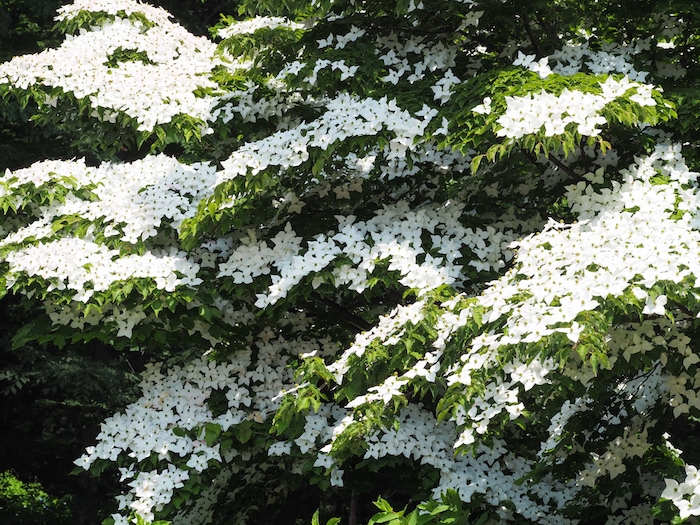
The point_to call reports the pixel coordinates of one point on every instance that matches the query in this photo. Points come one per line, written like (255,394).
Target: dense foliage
(441,255)
(29,503)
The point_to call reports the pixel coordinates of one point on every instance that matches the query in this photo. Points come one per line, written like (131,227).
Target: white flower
(483,108)
(655,306)
(325,42)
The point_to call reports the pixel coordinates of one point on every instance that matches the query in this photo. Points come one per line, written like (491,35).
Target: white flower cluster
(341,40)
(491,471)
(570,59)
(418,436)
(632,443)
(85,267)
(385,392)
(626,234)
(425,154)
(157,15)
(559,420)
(321,428)
(415,57)
(346,116)
(259,22)
(178,400)
(470,19)
(499,395)
(494,472)
(532,112)
(394,233)
(130,199)
(152,93)
(121,320)
(612,58)
(528,61)
(150,491)
(636,236)
(421,437)
(253,258)
(249,108)
(388,325)
(641,211)
(335,65)
(685,495)
(442,90)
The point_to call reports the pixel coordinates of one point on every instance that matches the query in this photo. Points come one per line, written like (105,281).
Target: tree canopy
(440,256)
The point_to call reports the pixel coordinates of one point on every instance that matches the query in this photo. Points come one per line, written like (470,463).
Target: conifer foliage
(439,254)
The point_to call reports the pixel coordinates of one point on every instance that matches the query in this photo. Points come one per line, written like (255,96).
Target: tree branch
(551,33)
(349,318)
(353,508)
(559,164)
(530,35)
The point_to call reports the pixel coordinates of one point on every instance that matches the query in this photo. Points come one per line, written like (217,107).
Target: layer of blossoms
(567,337)
(177,59)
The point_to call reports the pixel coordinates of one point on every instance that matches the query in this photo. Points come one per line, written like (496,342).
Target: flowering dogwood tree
(451,244)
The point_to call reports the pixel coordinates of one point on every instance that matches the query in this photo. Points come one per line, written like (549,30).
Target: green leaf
(384,517)
(483,518)
(243,432)
(212,431)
